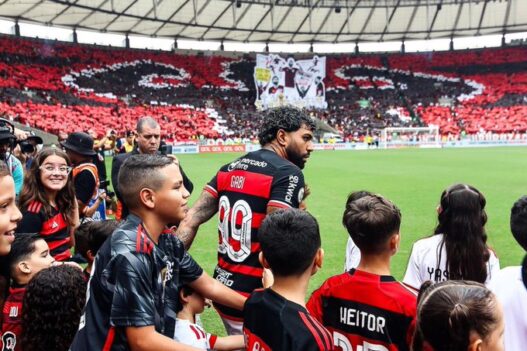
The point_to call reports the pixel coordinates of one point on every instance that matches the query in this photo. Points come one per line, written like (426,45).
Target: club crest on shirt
(167,273)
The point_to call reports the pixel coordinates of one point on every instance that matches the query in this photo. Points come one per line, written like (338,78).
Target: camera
(26,147)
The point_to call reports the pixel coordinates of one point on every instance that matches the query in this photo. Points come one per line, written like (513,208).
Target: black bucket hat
(80,143)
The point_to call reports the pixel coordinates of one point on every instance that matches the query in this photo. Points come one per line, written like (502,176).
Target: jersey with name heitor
(272,322)
(244,189)
(365,310)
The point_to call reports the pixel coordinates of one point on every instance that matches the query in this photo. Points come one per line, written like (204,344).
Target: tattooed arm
(202,211)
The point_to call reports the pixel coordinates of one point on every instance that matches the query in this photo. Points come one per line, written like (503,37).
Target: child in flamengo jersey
(29,255)
(189,333)
(366,308)
(276,318)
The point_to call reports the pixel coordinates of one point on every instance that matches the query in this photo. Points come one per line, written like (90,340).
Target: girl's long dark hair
(34,190)
(462,221)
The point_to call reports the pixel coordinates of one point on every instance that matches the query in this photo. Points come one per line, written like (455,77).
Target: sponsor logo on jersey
(293,183)
(224,277)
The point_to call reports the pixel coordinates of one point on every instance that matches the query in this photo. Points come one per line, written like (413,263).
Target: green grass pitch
(412,178)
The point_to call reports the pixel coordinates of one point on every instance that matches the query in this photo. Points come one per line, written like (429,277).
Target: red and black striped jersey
(244,189)
(52,228)
(365,311)
(272,322)
(12,319)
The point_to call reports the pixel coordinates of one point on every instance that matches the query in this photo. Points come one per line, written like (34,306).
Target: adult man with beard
(243,192)
(148,140)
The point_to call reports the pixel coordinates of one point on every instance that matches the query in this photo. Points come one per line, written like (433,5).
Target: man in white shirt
(510,284)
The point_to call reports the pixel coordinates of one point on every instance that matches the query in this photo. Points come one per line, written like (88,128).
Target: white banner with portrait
(281,82)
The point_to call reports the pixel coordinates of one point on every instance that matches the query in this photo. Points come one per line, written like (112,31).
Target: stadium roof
(287,21)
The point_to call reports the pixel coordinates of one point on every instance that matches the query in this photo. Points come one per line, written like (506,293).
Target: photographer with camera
(7,145)
(148,141)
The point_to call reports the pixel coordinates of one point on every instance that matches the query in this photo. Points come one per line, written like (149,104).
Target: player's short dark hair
(90,236)
(371,221)
(289,119)
(53,305)
(519,221)
(290,240)
(138,172)
(21,248)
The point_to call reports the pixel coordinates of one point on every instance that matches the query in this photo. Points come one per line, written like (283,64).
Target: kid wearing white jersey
(458,248)
(510,284)
(189,333)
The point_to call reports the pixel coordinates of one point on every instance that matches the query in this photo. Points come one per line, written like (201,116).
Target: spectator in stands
(189,333)
(89,238)
(148,141)
(7,145)
(458,315)
(29,255)
(35,141)
(79,147)
(48,202)
(510,284)
(128,143)
(101,146)
(458,249)
(139,271)
(277,316)
(352,258)
(369,290)
(52,308)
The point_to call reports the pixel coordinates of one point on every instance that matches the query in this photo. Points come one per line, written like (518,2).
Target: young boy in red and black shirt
(366,308)
(29,255)
(276,318)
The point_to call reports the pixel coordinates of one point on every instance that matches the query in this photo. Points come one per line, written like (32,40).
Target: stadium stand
(57,86)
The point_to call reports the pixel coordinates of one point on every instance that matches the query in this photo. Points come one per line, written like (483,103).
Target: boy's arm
(226,343)
(146,339)
(217,292)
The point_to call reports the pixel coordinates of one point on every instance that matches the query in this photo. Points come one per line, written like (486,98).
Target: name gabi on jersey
(361,319)
(237,182)
(224,277)
(293,183)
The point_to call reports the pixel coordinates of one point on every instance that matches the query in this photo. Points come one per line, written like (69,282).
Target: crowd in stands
(60,86)
(145,289)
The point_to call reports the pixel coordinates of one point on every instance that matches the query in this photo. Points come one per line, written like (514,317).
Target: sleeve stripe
(280,204)
(211,190)
(313,331)
(212,340)
(325,333)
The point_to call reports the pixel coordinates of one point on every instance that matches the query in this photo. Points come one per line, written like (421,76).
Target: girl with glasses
(48,202)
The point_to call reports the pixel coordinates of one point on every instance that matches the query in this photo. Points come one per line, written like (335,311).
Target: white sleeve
(493,267)
(352,255)
(412,276)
